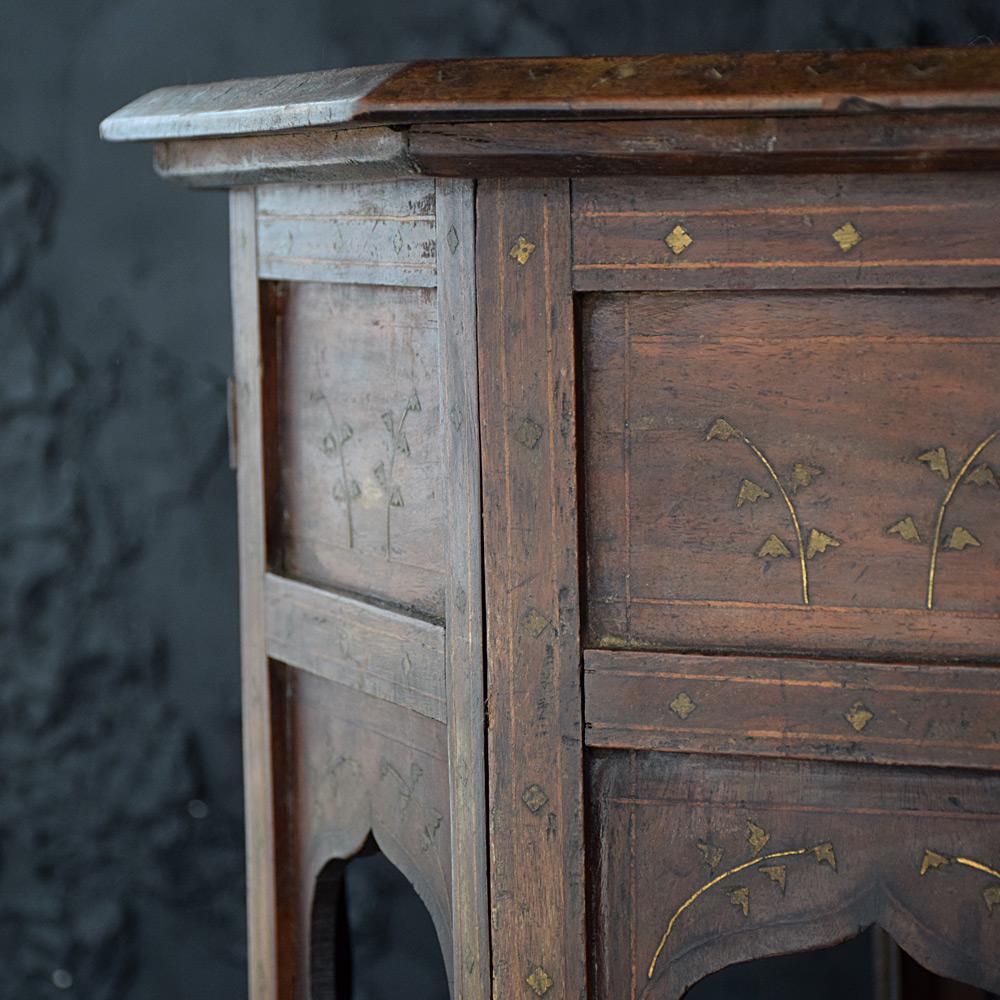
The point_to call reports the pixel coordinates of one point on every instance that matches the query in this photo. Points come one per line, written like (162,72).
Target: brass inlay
(933,860)
(522,250)
(847,236)
(535,622)
(534,798)
(740,896)
(819,542)
(712,854)
(682,706)
(528,434)
(858,715)
(823,853)
(757,837)
(960,539)
(750,492)
(540,981)
(774,548)
(939,523)
(776,873)
(678,239)
(906,529)
(937,461)
(983,475)
(800,477)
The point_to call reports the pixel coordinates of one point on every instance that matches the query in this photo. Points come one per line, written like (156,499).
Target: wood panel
(939,716)
(763,473)
(702,862)
(371,649)
(379,234)
(360,462)
(260,846)
(464,590)
(351,766)
(526,365)
(822,231)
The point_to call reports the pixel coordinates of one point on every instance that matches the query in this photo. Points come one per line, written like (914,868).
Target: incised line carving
(397,444)
(933,860)
(345,490)
(740,895)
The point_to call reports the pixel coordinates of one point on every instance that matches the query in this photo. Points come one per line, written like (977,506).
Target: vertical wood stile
(528,426)
(256,696)
(464,598)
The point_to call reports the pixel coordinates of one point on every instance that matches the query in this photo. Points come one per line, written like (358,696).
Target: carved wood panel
(782,472)
(702,862)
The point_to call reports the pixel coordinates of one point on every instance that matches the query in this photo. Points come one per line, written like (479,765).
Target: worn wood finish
(360,453)
(352,766)
(257,777)
(373,650)
(939,716)
(779,232)
(456,235)
(654,86)
(856,392)
(526,368)
(380,234)
(902,142)
(815,852)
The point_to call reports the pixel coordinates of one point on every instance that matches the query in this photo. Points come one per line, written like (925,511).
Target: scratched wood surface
(376,234)
(527,399)
(740,859)
(887,713)
(359,449)
(352,767)
(778,472)
(854,231)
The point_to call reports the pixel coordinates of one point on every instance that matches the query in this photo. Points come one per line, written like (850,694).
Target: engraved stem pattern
(952,486)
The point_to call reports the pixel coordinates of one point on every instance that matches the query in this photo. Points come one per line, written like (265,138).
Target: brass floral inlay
(934,860)
(750,492)
(682,706)
(858,715)
(540,981)
(678,239)
(740,895)
(522,249)
(906,529)
(847,236)
(534,798)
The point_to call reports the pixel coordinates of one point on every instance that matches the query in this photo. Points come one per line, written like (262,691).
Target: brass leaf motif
(983,475)
(750,492)
(936,460)
(960,539)
(522,250)
(678,239)
(539,981)
(991,897)
(682,706)
(906,529)
(712,854)
(847,236)
(932,860)
(773,548)
(757,837)
(820,541)
(740,897)
(858,715)
(803,475)
(777,874)
(722,430)
(825,853)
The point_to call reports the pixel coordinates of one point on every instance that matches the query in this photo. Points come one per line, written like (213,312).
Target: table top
(597,88)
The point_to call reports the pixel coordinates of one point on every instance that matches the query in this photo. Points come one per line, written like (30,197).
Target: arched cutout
(870,966)
(371,936)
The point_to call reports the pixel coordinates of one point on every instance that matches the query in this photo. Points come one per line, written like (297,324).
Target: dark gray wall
(120,816)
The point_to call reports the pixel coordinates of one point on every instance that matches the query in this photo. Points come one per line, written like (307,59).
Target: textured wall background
(120,815)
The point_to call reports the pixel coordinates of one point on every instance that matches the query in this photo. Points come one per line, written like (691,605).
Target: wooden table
(618,446)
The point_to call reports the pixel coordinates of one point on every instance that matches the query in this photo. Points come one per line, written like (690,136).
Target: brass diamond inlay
(535,622)
(678,239)
(682,706)
(534,797)
(847,236)
(859,716)
(540,981)
(522,250)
